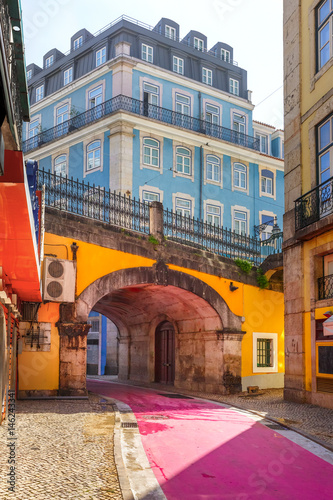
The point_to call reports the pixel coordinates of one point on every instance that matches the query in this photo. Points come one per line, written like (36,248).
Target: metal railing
(125,103)
(76,197)
(314,205)
(325,287)
(146,27)
(204,236)
(73,196)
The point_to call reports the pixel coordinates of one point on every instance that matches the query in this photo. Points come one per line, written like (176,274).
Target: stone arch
(158,274)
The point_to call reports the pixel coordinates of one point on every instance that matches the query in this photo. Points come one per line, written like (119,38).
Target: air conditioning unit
(59,280)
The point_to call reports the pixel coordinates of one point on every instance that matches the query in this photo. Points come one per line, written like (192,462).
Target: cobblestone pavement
(64,450)
(312,420)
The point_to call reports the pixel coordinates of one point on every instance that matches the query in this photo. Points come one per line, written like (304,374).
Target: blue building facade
(141,111)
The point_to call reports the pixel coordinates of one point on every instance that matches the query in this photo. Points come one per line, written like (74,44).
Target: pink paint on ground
(201,451)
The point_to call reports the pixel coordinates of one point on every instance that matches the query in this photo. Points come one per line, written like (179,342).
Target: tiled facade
(140,111)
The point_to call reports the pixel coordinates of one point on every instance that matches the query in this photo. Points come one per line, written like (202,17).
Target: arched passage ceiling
(134,305)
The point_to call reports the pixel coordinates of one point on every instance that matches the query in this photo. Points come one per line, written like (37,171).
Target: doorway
(165,353)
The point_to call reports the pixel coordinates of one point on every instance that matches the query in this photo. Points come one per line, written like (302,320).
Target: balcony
(314,205)
(128,104)
(325,287)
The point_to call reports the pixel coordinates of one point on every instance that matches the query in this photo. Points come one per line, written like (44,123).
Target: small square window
(39,93)
(147,53)
(198,44)
(233,86)
(207,76)
(68,76)
(78,42)
(170,32)
(225,55)
(178,65)
(100,56)
(49,62)
(264,353)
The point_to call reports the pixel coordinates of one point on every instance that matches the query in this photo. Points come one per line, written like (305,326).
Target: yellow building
(308,220)
(212,315)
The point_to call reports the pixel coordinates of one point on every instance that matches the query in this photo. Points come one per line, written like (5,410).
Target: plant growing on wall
(244,265)
(262,280)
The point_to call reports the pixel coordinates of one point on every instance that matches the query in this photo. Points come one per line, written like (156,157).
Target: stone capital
(73,329)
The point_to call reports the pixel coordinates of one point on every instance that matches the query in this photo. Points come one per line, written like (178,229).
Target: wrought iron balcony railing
(325,287)
(215,239)
(314,205)
(124,103)
(92,202)
(96,203)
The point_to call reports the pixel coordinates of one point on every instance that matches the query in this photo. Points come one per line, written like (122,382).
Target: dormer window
(39,93)
(78,42)
(49,61)
(170,32)
(198,44)
(225,55)
(29,74)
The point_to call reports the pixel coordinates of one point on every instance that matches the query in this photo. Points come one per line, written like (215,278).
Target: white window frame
(62,174)
(29,74)
(78,42)
(245,171)
(213,203)
(31,131)
(198,44)
(234,86)
(178,65)
(49,61)
(147,53)
(262,137)
(182,93)
(183,196)
(225,55)
(240,119)
(150,189)
(265,234)
(187,207)
(207,76)
(90,89)
(208,160)
(238,208)
(68,75)
(151,149)
(98,147)
(172,32)
(86,143)
(40,93)
(264,193)
(265,369)
(183,156)
(100,56)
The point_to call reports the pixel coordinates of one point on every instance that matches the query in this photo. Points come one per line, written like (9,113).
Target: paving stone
(64,450)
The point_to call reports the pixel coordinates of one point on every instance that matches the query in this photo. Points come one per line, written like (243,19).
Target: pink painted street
(202,450)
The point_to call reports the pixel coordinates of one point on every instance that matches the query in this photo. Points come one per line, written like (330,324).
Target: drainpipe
(200,180)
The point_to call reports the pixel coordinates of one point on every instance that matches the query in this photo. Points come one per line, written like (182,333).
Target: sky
(253,28)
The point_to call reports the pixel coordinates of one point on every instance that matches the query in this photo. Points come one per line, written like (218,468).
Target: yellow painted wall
(264,313)
(262,309)
(40,370)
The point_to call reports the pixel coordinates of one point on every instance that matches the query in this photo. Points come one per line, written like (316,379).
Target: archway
(165,353)
(207,338)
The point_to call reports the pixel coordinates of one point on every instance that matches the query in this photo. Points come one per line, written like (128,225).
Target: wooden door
(165,353)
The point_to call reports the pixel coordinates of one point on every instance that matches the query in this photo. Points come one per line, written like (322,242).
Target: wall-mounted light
(232,287)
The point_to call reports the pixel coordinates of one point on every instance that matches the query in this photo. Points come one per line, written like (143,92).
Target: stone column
(72,358)
(232,359)
(156,220)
